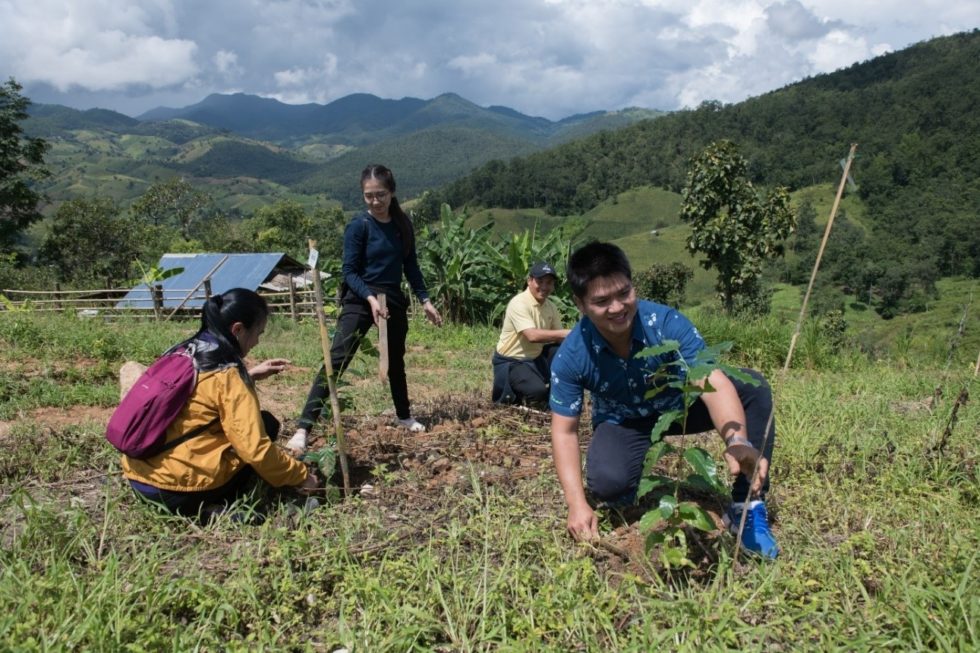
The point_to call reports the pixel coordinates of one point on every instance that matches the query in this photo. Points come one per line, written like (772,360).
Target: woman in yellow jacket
(202,475)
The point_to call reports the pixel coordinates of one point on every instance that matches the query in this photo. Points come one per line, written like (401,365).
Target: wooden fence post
(292,299)
(207,289)
(157,293)
(57,295)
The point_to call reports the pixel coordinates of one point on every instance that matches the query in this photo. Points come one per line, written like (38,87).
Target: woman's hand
(268,368)
(376,311)
(310,485)
(431,313)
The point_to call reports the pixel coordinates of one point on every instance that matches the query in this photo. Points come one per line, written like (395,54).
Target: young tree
(21,161)
(664,282)
(172,203)
(90,240)
(735,228)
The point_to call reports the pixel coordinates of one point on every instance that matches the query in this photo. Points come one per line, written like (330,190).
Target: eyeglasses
(380,195)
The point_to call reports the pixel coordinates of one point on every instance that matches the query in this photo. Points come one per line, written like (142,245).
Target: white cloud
(227,63)
(95,44)
(544,57)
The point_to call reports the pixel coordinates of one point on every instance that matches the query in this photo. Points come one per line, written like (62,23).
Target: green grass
(877,526)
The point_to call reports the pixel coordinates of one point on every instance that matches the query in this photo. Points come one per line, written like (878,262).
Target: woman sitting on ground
(204,474)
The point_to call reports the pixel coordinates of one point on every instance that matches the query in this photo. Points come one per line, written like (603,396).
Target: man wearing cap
(528,340)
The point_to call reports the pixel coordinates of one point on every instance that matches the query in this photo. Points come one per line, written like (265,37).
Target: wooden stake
(816,264)
(207,277)
(383,340)
(328,370)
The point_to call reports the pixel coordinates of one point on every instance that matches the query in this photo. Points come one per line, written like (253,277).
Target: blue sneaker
(756,537)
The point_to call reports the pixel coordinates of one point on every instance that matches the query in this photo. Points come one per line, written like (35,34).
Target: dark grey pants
(614,462)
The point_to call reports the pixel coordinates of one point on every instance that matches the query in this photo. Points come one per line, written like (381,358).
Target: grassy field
(457,542)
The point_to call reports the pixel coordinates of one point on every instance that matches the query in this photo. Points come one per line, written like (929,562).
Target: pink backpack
(138,427)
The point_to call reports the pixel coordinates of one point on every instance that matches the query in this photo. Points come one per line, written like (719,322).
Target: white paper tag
(314,257)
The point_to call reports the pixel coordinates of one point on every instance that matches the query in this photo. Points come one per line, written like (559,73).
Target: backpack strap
(187,436)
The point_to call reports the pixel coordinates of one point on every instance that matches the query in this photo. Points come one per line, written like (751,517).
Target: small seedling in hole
(679,375)
(325,462)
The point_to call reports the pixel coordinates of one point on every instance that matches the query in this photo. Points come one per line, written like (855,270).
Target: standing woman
(203,474)
(379,247)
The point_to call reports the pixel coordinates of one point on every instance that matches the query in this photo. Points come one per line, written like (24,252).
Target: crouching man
(599,356)
(528,340)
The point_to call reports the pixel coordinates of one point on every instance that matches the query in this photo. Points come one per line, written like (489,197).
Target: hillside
(912,113)
(281,149)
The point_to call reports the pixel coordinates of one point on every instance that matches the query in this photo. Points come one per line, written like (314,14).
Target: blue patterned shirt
(585,361)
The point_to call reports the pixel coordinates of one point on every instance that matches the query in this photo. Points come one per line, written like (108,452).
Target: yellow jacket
(210,460)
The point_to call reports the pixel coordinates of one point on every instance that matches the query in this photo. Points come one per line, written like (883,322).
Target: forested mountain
(362,119)
(913,114)
(274,149)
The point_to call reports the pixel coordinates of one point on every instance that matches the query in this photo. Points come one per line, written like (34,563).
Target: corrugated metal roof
(237,271)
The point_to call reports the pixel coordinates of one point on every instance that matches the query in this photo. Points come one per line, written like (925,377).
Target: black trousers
(531,380)
(354,321)
(614,462)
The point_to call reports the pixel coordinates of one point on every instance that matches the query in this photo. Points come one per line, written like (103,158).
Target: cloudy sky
(551,58)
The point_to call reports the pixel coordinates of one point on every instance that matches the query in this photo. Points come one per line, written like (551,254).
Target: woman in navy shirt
(379,246)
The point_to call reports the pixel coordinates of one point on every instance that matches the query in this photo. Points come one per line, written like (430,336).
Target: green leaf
(664,423)
(668,504)
(650,483)
(654,454)
(676,557)
(704,466)
(654,539)
(325,459)
(737,374)
(696,516)
(657,350)
(650,520)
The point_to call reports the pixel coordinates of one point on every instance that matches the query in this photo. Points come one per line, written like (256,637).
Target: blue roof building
(225,271)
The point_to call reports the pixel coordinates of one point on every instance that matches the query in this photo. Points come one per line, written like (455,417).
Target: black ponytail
(215,345)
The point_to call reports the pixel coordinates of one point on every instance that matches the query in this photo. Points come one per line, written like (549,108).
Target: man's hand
(583,524)
(268,368)
(742,457)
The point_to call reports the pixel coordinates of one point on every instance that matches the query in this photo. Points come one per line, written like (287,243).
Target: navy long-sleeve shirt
(373,257)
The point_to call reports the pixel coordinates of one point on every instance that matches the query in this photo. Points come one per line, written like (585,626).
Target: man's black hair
(596,260)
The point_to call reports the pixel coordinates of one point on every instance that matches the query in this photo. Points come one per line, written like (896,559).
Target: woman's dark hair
(217,316)
(593,261)
(387,178)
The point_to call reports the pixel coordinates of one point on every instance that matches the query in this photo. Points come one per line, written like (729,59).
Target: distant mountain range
(272,149)
(361,119)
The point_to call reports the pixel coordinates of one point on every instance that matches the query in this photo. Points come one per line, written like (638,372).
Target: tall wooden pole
(328,369)
(816,264)
(383,340)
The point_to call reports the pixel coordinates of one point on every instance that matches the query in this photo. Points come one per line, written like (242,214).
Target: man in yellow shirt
(528,340)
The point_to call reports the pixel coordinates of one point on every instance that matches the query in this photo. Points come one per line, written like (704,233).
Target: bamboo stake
(328,371)
(383,340)
(816,264)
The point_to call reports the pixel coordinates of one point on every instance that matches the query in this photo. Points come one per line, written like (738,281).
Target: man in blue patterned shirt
(599,355)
